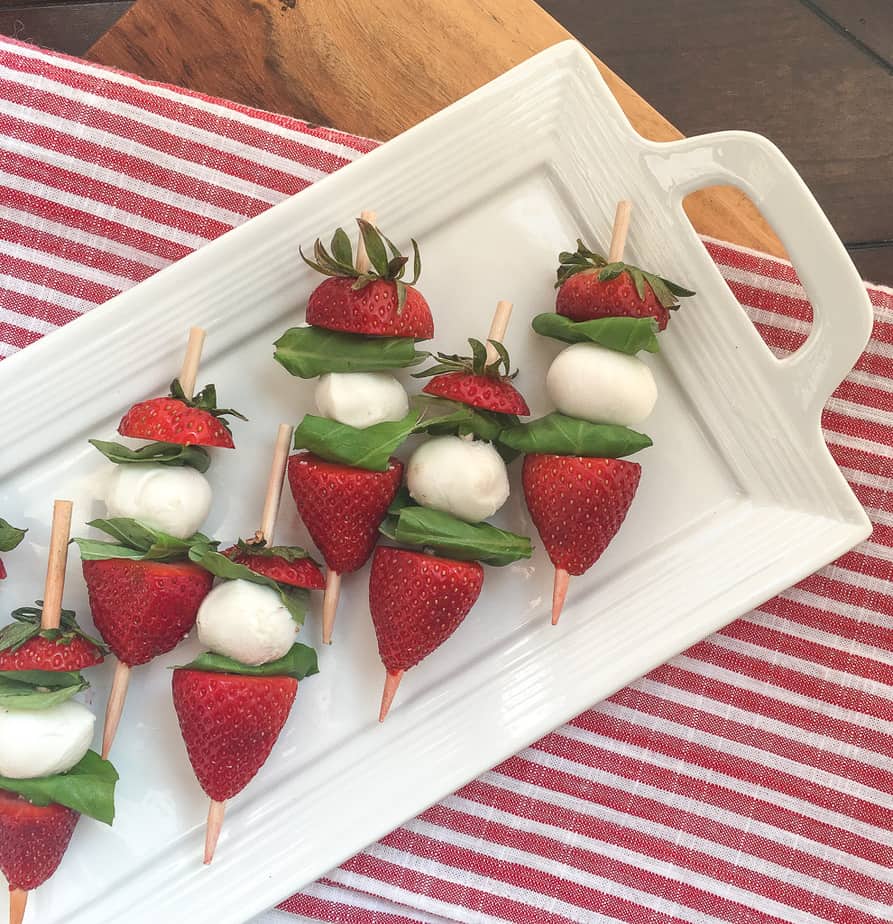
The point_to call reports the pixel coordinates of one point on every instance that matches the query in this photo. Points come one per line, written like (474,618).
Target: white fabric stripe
(779,321)
(818,637)
(829,605)
(779,286)
(778,762)
(79,236)
(656,903)
(63,265)
(644,861)
(89,206)
(801,665)
(858,442)
(134,148)
(742,787)
(855,476)
(870,380)
(182,99)
(813,739)
(154,120)
(640,788)
(135,186)
(337,893)
(875,550)
(44,294)
(711,671)
(880,517)
(7,315)
(859,411)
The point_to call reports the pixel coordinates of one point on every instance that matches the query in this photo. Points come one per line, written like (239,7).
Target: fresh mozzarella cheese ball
(247,622)
(41,742)
(465,478)
(361,399)
(175,500)
(601,385)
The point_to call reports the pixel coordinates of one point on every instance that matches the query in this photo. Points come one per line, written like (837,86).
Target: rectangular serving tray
(739,496)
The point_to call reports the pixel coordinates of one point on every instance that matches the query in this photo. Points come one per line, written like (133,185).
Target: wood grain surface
(373,67)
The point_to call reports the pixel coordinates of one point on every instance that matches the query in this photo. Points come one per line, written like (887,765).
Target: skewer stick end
(115,706)
(18,899)
(620,230)
(392,681)
(216,811)
(559,593)
(330,605)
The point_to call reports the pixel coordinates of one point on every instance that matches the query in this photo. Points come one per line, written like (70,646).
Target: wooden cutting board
(373,67)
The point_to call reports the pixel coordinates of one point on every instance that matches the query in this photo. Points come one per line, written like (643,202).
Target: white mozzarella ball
(42,742)
(245,621)
(361,399)
(173,499)
(594,383)
(465,478)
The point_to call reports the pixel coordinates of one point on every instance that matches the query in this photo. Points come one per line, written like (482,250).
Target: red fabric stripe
(797,309)
(865,396)
(14,335)
(862,461)
(339,913)
(759,264)
(57,280)
(28,306)
(825,586)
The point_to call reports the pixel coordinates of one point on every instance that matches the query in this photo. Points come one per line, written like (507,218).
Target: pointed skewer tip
(559,593)
(330,605)
(115,706)
(18,898)
(216,811)
(392,681)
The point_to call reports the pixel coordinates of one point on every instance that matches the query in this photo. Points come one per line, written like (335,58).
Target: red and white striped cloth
(748,780)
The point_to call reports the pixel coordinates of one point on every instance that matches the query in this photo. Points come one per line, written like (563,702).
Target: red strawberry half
(229,723)
(589,287)
(417,602)
(44,654)
(33,839)
(476,380)
(342,507)
(144,608)
(298,572)
(373,301)
(177,419)
(578,504)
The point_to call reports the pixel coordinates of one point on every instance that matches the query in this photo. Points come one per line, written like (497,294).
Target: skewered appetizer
(577,486)
(48,774)
(10,537)
(144,591)
(364,321)
(419,597)
(233,700)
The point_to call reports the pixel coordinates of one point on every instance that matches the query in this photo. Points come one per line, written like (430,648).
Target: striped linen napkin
(747,780)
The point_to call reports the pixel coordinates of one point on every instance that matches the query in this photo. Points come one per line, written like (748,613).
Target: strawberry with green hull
(10,537)
(144,596)
(48,774)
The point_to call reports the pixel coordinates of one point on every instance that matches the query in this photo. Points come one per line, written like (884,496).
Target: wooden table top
(372,67)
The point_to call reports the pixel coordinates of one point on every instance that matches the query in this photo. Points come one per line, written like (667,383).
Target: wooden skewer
(620,230)
(57,560)
(498,327)
(191,360)
(391,682)
(330,604)
(274,484)
(18,898)
(212,831)
(618,243)
(362,257)
(115,706)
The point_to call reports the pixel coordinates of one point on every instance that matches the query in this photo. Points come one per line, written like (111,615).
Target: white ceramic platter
(739,496)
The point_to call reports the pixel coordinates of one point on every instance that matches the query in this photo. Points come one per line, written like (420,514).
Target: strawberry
(43,654)
(283,565)
(144,608)
(578,504)
(33,839)
(475,381)
(2,570)
(177,419)
(376,301)
(229,723)
(589,287)
(417,602)
(341,506)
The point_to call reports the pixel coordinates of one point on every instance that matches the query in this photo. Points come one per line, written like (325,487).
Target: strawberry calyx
(338,260)
(205,400)
(584,260)
(476,364)
(285,564)
(26,626)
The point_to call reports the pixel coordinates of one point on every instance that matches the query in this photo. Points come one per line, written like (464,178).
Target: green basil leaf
(567,436)
(626,335)
(442,417)
(294,599)
(311,351)
(158,453)
(18,693)
(46,678)
(455,538)
(88,788)
(370,448)
(11,536)
(299,662)
(137,542)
